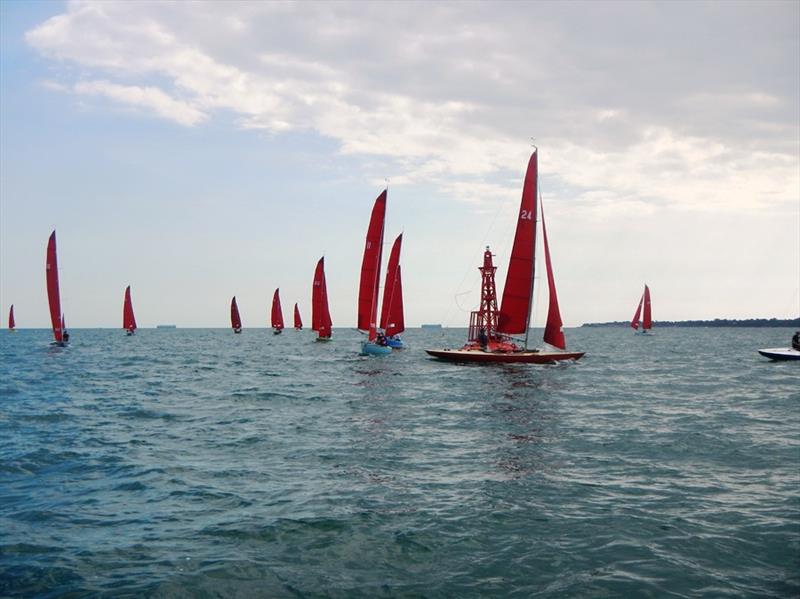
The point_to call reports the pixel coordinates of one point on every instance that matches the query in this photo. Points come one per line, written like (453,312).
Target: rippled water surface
(201,463)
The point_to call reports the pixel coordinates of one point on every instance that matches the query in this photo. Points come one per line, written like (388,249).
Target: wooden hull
(780,353)
(521,357)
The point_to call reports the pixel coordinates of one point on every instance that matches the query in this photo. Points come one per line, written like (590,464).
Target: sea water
(199,463)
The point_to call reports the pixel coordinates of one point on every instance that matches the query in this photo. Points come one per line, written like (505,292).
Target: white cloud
(151,98)
(454,93)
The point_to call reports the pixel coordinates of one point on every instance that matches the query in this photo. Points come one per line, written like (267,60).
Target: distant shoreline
(717,322)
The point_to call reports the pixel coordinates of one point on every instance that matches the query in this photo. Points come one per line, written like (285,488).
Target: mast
(533,243)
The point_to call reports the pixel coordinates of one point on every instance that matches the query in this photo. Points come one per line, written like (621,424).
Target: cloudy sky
(201,150)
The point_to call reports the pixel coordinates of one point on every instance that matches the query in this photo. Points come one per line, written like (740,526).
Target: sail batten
(53,295)
(515,307)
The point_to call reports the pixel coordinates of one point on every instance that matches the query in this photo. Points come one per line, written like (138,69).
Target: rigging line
(455,299)
(474,259)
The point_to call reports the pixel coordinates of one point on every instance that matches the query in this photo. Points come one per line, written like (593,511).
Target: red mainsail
(53,296)
(647,321)
(553,330)
(128,319)
(11,323)
(635,320)
(515,307)
(277,313)
(236,321)
(298,322)
(370,269)
(320,316)
(392,321)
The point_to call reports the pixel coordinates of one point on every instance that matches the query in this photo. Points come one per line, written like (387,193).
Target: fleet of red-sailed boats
(491,332)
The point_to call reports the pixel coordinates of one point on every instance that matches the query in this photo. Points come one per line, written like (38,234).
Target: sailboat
(11,324)
(298,322)
(647,320)
(490,330)
(236,321)
(128,319)
(320,315)
(277,314)
(392,321)
(375,345)
(60,336)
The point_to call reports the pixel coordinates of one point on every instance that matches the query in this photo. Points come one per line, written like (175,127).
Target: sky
(200,150)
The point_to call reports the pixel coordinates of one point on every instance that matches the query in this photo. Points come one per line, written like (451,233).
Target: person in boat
(380,339)
(65,337)
(483,339)
(796,341)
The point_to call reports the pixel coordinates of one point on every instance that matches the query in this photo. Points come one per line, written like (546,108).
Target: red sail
(553,330)
(392,310)
(128,319)
(53,296)
(370,269)
(277,313)
(647,322)
(635,321)
(320,316)
(515,307)
(236,321)
(298,322)
(11,323)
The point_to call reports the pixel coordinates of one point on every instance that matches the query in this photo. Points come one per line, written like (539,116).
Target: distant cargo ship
(434,327)
(166,326)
